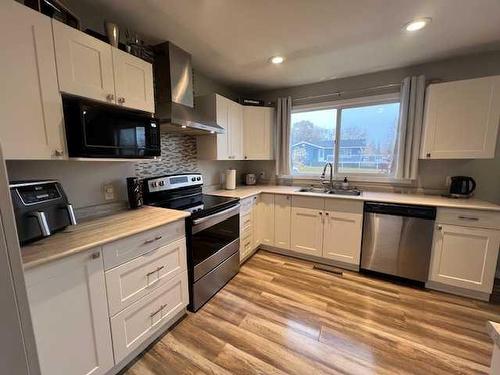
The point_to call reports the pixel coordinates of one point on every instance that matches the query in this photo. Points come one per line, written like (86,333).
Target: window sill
(360,179)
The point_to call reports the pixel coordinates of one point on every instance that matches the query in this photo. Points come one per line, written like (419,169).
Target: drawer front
(246,246)
(139,321)
(246,204)
(133,280)
(469,218)
(312,203)
(344,205)
(246,220)
(121,251)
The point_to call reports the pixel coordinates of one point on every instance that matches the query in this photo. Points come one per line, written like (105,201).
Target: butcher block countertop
(93,233)
(418,199)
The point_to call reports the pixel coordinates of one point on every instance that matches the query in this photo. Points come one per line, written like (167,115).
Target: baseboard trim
(129,360)
(312,258)
(483,296)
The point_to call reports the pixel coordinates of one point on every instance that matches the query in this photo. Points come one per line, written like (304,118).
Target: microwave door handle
(71,214)
(42,222)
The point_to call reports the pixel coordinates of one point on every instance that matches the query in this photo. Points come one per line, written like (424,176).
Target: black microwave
(97,130)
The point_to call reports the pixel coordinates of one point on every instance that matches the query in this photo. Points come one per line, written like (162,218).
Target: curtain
(410,126)
(283,124)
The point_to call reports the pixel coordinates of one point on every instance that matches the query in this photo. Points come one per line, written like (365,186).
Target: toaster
(41,208)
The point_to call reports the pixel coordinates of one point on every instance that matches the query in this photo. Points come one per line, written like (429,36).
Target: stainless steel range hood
(174,93)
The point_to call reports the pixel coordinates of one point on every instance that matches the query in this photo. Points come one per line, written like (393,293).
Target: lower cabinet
(282,220)
(307,225)
(342,231)
(70,315)
(266,219)
(464,257)
(136,323)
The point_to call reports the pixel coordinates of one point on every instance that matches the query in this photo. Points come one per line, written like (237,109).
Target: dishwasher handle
(408,210)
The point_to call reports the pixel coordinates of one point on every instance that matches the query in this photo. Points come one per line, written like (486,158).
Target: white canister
(230,179)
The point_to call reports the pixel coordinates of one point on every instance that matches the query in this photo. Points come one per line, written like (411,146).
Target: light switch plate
(109,192)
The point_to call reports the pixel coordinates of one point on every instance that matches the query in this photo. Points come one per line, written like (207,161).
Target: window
(359,138)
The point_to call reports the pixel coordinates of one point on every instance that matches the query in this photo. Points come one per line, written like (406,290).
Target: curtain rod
(340,93)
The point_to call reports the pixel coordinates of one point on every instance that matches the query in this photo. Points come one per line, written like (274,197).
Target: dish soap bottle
(345,184)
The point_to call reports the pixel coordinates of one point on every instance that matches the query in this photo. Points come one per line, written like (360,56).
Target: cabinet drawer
(344,205)
(246,220)
(121,251)
(308,202)
(247,204)
(131,281)
(246,246)
(469,218)
(139,321)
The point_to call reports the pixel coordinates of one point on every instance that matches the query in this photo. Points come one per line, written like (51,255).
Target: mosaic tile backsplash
(178,155)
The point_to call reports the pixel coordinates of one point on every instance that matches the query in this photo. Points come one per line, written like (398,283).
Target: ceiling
(232,40)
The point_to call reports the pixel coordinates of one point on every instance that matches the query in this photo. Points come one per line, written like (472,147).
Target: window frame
(339,105)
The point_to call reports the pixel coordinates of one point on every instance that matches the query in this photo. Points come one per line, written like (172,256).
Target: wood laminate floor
(281,316)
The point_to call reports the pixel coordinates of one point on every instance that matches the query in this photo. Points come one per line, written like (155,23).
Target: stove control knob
(153,184)
(198,178)
(193,179)
(162,183)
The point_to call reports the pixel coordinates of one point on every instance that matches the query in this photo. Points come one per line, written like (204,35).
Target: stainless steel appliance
(397,239)
(96,130)
(174,96)
(212,231)
(462,186)
(41,208)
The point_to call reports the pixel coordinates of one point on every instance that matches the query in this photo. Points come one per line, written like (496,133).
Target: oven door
(214,239)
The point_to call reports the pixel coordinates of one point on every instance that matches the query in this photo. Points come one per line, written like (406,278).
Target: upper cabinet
(133,81)
(93,69)
(461,119)
(248,130)
(258,127)
(229,115)
(30,103)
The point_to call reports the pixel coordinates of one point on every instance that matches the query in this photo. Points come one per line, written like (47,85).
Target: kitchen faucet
(324,173)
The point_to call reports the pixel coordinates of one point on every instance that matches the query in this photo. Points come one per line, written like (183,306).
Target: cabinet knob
(439,227)
(58,152)
(428,155)
(96,255)
(287,197)
(321,213)
(121,100)
(110,97)
(326,213)
(246,157)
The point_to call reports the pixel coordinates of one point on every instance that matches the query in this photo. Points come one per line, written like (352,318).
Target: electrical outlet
(262,175)
(109,192)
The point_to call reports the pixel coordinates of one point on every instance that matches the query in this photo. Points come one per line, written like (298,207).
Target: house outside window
(359,137)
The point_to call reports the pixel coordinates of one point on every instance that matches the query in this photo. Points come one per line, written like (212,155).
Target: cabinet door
(465,257)
(70,315)
(282,220)
(307,225)
(236,131)
(30,103)
(133,81)
(222,115)
(342,231)
(258,125)
(257,232)
(84,64)
(461,119)
(266,219)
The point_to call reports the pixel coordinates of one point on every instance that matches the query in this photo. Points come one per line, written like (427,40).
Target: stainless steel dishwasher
(397,239)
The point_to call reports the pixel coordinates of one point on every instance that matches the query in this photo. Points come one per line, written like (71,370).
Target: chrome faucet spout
(323,175)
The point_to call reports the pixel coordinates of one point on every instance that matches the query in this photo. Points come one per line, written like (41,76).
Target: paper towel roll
(230,179)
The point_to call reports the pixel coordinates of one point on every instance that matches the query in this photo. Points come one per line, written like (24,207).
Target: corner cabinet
(93,69)
(258,133)
(30,103)
(248,130)
(461,119)
(69,311)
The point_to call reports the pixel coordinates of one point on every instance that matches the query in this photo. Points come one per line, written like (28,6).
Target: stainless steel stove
(212,231)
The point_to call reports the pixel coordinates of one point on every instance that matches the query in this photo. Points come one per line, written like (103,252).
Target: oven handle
(211,217)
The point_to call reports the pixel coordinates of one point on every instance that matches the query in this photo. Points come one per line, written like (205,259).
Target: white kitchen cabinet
(84,64)
(282,220)
(464,257)
(133,81)
(70,315)
(247,227)
(30,103)
(266,219)
(342,231)
(229,115)
(307,225)
(257,235)
(138,322)
(258,128)
(461,119)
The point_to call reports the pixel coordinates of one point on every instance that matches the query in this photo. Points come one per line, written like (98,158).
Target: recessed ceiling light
(277,59)
(417,24)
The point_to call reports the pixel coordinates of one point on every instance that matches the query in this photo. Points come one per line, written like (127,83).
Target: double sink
(336,191)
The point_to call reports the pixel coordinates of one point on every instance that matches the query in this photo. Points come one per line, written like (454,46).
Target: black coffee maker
(462,186)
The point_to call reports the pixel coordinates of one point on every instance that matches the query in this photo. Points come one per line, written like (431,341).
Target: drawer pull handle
(157,311)
(157,238)
(158,269)
(247,244)
(469,218)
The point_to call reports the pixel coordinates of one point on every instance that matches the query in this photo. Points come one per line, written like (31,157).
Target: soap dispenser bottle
(345,183)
